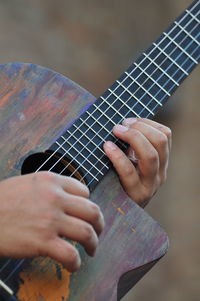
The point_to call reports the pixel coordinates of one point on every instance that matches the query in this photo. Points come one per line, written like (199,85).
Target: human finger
(148,159)
(71,185)
(78,230)
(123,166)
(157,138)
(133,122)
(84,209)
(63,252)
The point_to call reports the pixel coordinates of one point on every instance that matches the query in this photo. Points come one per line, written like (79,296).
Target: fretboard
(140,92)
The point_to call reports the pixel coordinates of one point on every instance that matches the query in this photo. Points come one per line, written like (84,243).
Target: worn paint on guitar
(34,111)
(52,281)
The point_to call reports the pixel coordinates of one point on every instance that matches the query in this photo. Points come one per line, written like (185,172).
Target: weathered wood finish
(36,106)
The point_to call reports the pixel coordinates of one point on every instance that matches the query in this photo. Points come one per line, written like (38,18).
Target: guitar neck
(140,92)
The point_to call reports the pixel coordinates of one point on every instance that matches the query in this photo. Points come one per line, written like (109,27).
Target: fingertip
(109,146)
(129,121)
(74,265)
(63,252)
(120,129)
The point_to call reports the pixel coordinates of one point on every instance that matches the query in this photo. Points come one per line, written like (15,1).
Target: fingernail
(120,128)
(78,263)
(111,145)
(129,121)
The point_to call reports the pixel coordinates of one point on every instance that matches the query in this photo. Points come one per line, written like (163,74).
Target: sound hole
(53,163)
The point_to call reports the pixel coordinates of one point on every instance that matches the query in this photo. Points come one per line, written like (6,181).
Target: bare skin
(38,209)
(151,144)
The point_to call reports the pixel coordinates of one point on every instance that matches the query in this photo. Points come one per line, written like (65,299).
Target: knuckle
(135,132)
(153,156)
(147,194)
(95,212)
(88,232)
(48,223)
(128,170)
(163,140)
(51,197)
(72,255)
(166,130)
(45,176)
(54,196)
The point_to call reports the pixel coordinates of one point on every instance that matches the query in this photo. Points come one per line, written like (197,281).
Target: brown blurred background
(92,42)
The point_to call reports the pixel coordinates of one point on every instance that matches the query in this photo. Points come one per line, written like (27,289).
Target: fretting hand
(144,167)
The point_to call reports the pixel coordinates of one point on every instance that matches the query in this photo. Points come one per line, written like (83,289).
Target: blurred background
(93,42)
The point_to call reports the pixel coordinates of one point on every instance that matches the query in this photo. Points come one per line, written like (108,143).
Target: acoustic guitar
(50,123)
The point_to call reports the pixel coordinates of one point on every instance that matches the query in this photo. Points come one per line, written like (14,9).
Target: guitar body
(36,106)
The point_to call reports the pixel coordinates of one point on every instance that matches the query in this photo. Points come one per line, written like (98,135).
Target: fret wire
(194,17)
(104,112)
(159,42)
(97,120)
(140,113)
(140,62)
(89,140)
(77,128)
(103,127)
(101,169)
(97,134)
(186,32)
(170,78)
(172,29)
(173,61)
(66,141)
(146,91)
(181,76)
(147,116)
(155,58)
(149,77)
(117,98)
(133,96)
(77,168)
(167,45)
(97,146)
(143,95)
(155,70)
(78,140)
(181,48)
(162,39)
(159,54)
(124,103)
(78,153)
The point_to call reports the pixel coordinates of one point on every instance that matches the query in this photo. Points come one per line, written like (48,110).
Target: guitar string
(19,264)
(98,146)
(78,153)
(21,261)
(164,38)
(105,138)
(179,21)
(114,90)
